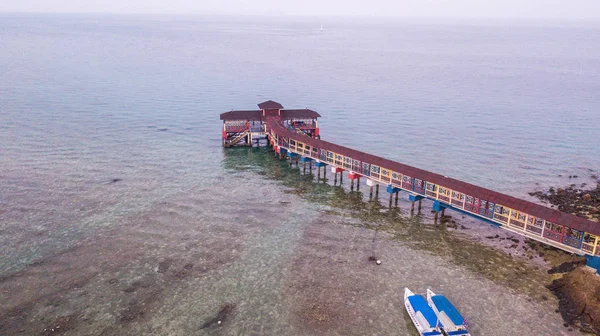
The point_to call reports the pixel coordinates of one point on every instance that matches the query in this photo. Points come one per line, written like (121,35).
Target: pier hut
(240,127)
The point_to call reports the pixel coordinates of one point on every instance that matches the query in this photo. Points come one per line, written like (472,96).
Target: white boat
(421,314)
(451,321)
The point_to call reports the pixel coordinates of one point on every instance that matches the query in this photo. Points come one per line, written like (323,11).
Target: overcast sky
(544,9)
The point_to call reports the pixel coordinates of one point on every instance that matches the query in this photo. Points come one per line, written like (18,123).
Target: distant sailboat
(321,27)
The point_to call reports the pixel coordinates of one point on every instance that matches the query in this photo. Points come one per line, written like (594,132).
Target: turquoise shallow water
(89,99)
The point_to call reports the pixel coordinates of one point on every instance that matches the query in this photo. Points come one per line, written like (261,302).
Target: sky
(536,9)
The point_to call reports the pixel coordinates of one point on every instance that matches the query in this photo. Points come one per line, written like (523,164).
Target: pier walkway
(294,134)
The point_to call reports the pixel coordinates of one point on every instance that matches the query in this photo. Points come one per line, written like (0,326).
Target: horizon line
(291,15)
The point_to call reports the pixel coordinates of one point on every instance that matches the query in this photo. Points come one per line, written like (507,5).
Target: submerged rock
(565,267)
(114,180)
(579,299)
(224,312)
(582,203)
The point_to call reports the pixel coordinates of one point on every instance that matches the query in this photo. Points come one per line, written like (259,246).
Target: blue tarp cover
(420,304)
(443,305)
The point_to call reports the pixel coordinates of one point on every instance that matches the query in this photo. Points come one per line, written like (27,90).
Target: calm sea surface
(121,213)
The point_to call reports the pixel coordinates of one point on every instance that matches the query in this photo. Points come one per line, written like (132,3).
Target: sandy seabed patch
(333,289)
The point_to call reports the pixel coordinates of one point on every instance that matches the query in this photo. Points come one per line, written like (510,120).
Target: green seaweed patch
(491,263)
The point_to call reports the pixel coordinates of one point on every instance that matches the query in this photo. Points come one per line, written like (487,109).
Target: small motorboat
(451,321)
(421,314)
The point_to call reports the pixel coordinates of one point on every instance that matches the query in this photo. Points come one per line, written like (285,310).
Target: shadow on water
(411,230)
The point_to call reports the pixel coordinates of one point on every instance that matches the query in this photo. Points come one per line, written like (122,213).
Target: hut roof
(270,105)
(242,115)
(299,113)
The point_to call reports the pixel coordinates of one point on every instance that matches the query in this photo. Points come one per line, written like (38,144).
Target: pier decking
(295,134)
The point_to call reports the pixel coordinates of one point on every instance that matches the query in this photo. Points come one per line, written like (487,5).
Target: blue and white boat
(450,319)
(421,314)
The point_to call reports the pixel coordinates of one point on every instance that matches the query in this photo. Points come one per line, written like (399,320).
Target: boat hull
(419,315)
(448,326)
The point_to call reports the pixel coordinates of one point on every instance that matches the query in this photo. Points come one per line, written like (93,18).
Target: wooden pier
(294,134)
